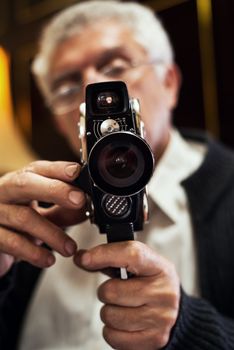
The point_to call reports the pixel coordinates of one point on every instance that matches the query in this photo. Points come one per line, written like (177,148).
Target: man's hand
(140,312)
(24,226)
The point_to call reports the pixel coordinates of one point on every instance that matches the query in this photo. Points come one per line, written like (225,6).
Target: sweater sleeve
(6,285)
(16,288)
(201,327)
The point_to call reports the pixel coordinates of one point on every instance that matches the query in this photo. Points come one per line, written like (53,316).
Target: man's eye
(114,70)
(67,90)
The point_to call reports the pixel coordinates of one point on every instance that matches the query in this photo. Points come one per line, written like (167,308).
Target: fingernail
(50,260)
(75,197)
(70,247)
(71,170)
(85,259)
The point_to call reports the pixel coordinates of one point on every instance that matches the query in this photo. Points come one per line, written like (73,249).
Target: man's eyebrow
(103,58)
(112,53)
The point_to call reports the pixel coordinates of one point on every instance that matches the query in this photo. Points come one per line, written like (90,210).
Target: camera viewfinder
(107,99)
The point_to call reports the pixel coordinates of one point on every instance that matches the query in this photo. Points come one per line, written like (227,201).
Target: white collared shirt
(64,312)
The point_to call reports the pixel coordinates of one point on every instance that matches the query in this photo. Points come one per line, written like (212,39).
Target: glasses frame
(108,73)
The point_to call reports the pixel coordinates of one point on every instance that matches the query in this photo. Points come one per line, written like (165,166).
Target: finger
(25,186)
(60,170)
(138,291)
(26,219)
(6,262)
(150,339)
(18,246)
(133,319)
(63,217)
(129,319)
(136,257)
(131,292)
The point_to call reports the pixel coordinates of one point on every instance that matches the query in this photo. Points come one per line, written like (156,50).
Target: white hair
(146,28)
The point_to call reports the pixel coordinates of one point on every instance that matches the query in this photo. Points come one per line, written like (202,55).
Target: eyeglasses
(65,98)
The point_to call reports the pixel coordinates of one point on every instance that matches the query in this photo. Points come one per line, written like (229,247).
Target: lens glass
(107,99)
(120,165)
(120,162)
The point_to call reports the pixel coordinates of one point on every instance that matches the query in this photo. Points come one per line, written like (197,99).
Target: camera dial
(108,126)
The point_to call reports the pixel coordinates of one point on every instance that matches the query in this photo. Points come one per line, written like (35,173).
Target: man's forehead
(102,57)
(97,43)
(105,34)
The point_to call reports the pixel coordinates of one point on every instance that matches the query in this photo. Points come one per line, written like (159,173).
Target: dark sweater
(203,323)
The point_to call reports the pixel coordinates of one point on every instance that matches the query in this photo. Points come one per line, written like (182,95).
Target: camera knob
(83,108)
(135,105)
(109,126)
(82,136)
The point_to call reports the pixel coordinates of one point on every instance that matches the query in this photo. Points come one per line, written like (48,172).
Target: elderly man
(181,292)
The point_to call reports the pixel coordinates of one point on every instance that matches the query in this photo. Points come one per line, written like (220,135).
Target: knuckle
(163,340)
(170,269)
(55,187)
(13,243)
(5,179)
(110,338)
(174,300)
(107,292)
(37,256)
(171,321)
(106,334)
(30,167)
(104,314)
(20,178)
(5,214)
(160,340)
(136,252)
(168,322)
(35,165)
(171,299)
(22,215)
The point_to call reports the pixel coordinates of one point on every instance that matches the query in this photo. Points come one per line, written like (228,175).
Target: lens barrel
(121,163)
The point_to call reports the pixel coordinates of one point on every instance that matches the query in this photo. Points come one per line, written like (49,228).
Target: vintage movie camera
(117,161)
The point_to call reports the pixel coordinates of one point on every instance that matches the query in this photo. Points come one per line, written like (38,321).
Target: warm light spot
(5,94)
(14,152)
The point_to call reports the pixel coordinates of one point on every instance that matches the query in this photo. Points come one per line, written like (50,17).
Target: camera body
(117,161)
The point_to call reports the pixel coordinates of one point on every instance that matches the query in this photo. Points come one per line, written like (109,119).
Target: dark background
(204,48)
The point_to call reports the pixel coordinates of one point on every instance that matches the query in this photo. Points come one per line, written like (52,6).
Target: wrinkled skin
(24,225)
(140,312)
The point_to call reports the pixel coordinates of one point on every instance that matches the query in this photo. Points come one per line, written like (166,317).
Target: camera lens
(121,163)
(107,99)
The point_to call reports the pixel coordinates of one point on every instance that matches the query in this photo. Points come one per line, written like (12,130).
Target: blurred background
(201,31)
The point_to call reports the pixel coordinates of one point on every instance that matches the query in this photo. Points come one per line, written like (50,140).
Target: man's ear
(172,82)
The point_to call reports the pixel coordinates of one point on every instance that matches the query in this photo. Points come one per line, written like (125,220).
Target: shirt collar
(179,160)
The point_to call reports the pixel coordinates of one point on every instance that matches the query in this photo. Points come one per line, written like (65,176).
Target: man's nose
(91,75)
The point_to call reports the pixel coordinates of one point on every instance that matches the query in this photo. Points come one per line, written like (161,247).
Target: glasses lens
(66,99)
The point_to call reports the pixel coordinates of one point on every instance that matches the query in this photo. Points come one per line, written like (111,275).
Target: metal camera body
(118,162)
